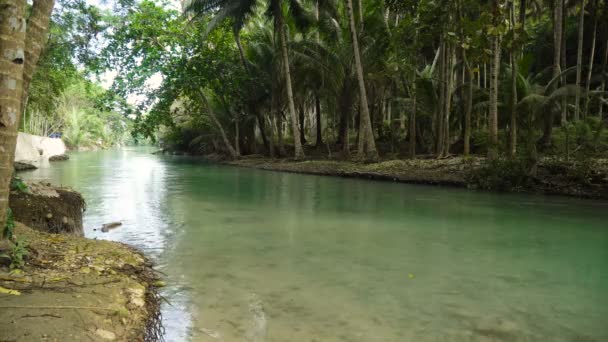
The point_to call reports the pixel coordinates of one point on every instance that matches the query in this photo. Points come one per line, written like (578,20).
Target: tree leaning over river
(22,39)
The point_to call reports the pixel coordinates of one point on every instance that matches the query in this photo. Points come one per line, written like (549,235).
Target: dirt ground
(76,289)
(451,172)
(47,208)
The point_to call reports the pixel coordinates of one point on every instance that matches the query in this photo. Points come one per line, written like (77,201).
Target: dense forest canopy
(290,78)
(367,78)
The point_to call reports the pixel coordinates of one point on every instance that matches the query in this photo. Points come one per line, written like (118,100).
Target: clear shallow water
(262,256)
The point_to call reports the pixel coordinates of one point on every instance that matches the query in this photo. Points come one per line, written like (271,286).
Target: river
(258,256)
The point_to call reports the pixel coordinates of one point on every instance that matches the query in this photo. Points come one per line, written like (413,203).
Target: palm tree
(20,45)
(496,43)
(240,11)
(367,144)
(579,59)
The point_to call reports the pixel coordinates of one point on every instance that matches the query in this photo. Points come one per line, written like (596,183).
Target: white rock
(105,334)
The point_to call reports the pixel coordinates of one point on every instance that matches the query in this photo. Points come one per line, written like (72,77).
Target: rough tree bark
(21,42)
(12,57)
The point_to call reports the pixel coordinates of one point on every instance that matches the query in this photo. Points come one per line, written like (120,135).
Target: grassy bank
(553,177)
(77,289)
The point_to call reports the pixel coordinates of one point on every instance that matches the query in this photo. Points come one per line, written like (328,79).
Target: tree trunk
(439,112)
(298,151)
(557,51)
(513,121)
(448,104)
(233,153)
(237,146)
(360,6)
(237,39)
(579,60)
(12,59)
(468,105)
(319,128)
(37,29)
(280,134)
(603,85)
(302,123)
(412,123)
(591,58)
(493,119)
(367,145)
(564,62)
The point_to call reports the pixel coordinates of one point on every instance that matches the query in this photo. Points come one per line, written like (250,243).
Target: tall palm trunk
(513,121)
(302,117)
(366,145)
(37,28)
(603,84)
(412,121)
(319,140)
(468,105)
(579,60)
(591,58)
(12,57)
(438,115)
(493,119)
(448,82)
(21,43)
(557,51)
(282,30)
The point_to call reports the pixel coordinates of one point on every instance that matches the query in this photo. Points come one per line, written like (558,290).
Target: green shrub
(9,226)
(18,253)
(503,174)
(17,184)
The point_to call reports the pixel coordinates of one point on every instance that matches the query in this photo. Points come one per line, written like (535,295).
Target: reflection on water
(262,256)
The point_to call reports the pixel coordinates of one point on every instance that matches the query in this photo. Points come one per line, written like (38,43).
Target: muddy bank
(76,289)
(48,209)
(551,179)
(406,171)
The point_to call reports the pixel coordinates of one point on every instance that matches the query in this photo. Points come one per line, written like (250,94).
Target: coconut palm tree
(366,144)
(240,11)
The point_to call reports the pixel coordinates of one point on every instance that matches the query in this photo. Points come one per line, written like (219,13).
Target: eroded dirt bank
(552,178)
(70,288)
(76,289)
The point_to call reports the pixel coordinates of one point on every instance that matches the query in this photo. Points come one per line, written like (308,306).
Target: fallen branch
(43,315)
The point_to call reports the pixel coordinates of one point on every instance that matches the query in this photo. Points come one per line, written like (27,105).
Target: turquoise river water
(263,256)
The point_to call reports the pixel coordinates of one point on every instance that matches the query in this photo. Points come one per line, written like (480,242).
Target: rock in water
(60,157)
(109,226)
(22,166)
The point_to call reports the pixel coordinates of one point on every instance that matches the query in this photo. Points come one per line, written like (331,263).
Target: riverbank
(77,289)
(568,179)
